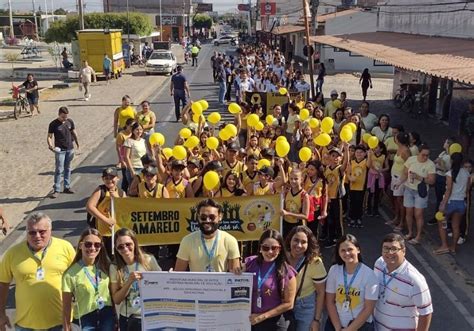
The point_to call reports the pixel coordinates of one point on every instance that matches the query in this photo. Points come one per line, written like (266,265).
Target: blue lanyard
(135,283)
(43,254)
(346,286)
(300,263)
(260,280)
(94,281)
(212,253)
(385,282)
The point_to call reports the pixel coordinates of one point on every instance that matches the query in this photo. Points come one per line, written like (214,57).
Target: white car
(161,62)
(225,40)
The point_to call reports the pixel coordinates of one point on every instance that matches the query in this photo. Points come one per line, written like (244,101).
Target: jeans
(222,90)
(124,324)
(63,166)
(103,320)
(195,59)
(304,312)
(440,189)
(319,85)
(54,328)
(179,97)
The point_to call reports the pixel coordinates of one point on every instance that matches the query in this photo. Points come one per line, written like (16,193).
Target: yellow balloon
(185,133)
(366,137)
(252,120)
(269,119)
(204,104)
(283,91)
(323,139)
(305,154)
(224,134)
(157,139)
(234,108)
(282,148)
(304,114)
(352,126)
(232,129)
(128,113)
(191,142)
(314,123)
(455,148)
(259,126)
(326,124)
(346,134)
(179,152)
(263,163)
(212,143)
(373,142)
(211,180)
(196,108)
(197,117)
(281,138)
(214,117)
(167,152)
(439,216)
(337,103)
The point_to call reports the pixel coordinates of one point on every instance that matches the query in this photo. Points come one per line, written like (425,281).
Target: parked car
(161,62)
(225,40)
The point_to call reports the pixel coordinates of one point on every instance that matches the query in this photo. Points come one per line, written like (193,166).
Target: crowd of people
(331,164)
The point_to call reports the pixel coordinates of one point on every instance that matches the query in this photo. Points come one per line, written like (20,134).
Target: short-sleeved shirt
(271,291)
(86,74)
(126,308)
(179,81)
(28,85)
(32,296)
(380,134)
(406,296)
(444,163)
(369,121)
(107,64)
(192,251)
(364,287)
(458,192)
(62,132)
(137,150)
(124,114)
(315,274)
(421,169)
(76,281)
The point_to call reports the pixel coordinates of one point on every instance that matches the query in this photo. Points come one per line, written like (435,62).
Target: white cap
(333,92)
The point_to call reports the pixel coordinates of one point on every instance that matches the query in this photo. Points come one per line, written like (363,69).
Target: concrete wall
(346,61)
(363,21)
(146,6)
(416,20)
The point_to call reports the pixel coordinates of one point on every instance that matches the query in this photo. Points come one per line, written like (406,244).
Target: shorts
(399,191)
(455,206)
(411,199)
(32,99)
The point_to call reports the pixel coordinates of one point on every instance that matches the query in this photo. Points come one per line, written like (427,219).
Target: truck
(95,43)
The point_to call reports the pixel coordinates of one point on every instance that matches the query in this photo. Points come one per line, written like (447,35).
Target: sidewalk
(27,165)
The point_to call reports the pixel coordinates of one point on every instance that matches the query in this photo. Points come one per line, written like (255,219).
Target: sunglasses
(121,247)
(391,250)
(267,248)
(89,244)
(34,233)
(205,217)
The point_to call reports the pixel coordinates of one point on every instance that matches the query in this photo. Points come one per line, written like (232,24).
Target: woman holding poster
(274,285)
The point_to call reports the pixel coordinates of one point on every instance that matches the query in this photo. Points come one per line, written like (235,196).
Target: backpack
(90,219)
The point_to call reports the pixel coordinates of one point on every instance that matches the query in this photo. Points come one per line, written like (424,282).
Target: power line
(426,4)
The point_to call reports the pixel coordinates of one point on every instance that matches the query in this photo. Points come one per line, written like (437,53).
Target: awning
(449,58)
(327,17)
(285,29)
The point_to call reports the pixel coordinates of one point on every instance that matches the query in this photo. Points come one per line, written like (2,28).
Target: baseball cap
(178,163)
(268,171)
(335,150)
(109,172)
(214,165)
(150,170)
(267,152)
(194,161)
(234,146)
(334,92)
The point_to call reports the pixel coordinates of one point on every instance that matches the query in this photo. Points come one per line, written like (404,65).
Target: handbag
(422,189)
(289,315)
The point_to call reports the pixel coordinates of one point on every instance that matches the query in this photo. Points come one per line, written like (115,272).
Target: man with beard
(210,249)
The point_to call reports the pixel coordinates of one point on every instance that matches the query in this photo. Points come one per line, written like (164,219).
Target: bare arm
(368,309)
(186,88)
(320,294)
(74,137)
(116,116)
(4,321)
(332,310)
(424,322)
(67,308)
(50,141)
(181,265)
(233,264)
(91,207)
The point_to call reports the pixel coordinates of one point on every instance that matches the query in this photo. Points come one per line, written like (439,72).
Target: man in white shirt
(404,297)
(86,77)
(246,84)
(278,69)
(369,119)
(331,108)
(302,85)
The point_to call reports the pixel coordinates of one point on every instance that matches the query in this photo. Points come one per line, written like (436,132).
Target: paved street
(453,297)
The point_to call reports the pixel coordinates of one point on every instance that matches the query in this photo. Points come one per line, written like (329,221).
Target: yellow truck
(94,43)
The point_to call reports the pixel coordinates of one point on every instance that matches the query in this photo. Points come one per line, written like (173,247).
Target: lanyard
(94,281)
(43,254)
(385,282)
(300,263)
(210,254)
(348,286)
(260,280)
(135,283)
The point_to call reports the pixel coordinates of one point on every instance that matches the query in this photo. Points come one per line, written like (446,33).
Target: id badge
(40,274)
(346,306)
(100,303)
(136,302)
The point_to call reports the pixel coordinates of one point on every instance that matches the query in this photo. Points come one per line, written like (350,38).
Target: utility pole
(250,18)
(80,10)
(161,24)
(12,32)
(46,23)
(36,21)
(308,46)
(314,15)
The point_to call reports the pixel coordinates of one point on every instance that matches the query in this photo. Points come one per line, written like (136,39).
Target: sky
(97,5)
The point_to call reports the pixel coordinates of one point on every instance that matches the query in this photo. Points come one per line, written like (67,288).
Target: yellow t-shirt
(264,142)
(121,137)
(178,189)
(247,179)
(253,151)
(225,193)
(293,204)
(359,171)
(38,302)
(421,169)
(378,162)
(191,250)
(76,282)
(126,308)
(391,146)
(265,190)
(333,177)
(314,189)
(144,119)
(104,208)
(144,192)
(398,166)
(125,114)
(315,274)
(238,167)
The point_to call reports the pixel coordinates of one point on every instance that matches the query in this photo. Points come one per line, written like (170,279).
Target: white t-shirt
(247,85)
(406,296)
(278,70)
(381,135)
(138,149)
(364,287)
(459,186)
(302,86)
(369,121)
(444,163)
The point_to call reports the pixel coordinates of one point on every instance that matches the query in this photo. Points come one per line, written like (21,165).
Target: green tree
(60,11)
(65,31)
(202,21)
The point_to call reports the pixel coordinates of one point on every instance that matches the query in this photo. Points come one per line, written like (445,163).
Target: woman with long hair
(338,120)
(415,142)
(365,82)
(125,272)
(274,285)
(382,130)
(135,148)
(315,184)
(351,288)
(377,162)
(87,281)
(303,254)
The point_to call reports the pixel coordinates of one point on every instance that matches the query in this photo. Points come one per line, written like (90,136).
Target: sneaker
(461,241)
(86,99)
(329,244)
(450,235)
(359,224)
(351,224)
(53,195)
(68,191)
(432,221)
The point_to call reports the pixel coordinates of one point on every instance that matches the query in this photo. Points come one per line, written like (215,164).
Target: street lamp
(161,24)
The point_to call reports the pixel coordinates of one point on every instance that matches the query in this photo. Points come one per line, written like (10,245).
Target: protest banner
(167,221)
(268,99)
(196,301)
